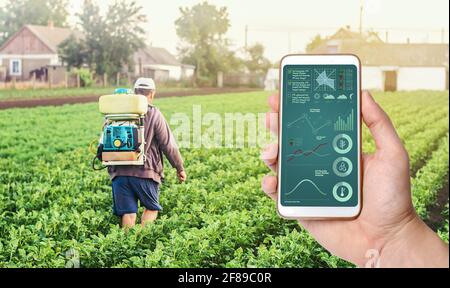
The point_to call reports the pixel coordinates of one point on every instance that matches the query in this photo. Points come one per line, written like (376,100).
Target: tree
(111,40)
(73,52)
(315,42)
(255,60)
(124,30)
(17,13)
(202,29)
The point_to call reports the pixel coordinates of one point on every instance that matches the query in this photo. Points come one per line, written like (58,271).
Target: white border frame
(320,212)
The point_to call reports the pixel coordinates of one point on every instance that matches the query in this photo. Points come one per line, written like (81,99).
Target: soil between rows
(57,101)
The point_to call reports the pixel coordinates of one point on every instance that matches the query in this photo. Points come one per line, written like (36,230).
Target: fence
(58,77)
(243,80)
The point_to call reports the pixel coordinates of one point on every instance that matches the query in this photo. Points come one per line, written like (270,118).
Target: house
(159,64)
(393,66)
(333,43)
(34,50)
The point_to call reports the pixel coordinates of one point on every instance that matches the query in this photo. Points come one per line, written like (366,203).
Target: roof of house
(347,34)
(155,55)
(390,54)
(374,52)
(53,36)
(50,36)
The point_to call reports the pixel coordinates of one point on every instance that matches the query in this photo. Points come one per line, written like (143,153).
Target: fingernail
(268,190)
(264,153)
(263,182)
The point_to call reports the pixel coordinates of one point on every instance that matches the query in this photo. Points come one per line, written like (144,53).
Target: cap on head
(145,83)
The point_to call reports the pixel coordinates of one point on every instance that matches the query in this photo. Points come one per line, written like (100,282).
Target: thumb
(380,126)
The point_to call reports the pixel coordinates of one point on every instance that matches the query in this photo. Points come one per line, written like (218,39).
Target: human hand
(181,175)
(388,223)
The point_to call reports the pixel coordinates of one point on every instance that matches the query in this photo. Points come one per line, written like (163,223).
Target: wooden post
(220,79)
(50,77)
(66,79)
(4,79)
(78,80)
(13,83)
(3,74)
(118,79)
(105,79)
(33,80)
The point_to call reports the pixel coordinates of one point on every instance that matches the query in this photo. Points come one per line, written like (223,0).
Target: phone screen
(319,150)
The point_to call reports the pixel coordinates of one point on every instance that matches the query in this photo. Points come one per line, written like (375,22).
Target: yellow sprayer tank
(123,104)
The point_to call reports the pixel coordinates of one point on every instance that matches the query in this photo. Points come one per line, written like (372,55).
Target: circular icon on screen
(342,167)
(342,143)
(342,191)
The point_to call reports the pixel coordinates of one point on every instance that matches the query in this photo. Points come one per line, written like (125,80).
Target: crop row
(51,201)
(421,140)
(276,251)
(431,178)
(443,230)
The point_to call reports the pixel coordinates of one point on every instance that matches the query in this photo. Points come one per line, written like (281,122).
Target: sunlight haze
(287,25)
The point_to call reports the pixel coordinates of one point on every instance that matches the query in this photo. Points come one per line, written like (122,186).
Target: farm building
(159,64)
(393,66)
(34,49)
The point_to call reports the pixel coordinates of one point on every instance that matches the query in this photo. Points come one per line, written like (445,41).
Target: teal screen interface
(319,153)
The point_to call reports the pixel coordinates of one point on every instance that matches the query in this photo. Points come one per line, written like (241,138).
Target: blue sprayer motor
(122,138)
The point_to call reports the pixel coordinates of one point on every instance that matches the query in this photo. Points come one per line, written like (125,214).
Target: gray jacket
(159,140)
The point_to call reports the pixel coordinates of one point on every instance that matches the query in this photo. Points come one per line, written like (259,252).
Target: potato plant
(53,206)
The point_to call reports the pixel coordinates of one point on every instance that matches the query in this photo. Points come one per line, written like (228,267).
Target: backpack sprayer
(122,141)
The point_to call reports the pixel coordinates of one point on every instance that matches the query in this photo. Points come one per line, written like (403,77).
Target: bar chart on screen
(345,123)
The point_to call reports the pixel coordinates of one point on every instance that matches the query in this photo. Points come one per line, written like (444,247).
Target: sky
(286,26)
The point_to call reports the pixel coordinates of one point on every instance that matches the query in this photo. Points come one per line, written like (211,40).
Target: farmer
(133,183)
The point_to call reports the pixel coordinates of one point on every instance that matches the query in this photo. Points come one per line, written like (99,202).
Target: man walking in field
(131,184)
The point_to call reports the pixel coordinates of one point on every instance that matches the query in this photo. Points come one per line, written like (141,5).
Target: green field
(51,200)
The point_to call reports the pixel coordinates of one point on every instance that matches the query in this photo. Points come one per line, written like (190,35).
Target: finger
(269,186)
(274,102)
(272,122)
(379,124)
(272,116)
(270,156)
(366,157)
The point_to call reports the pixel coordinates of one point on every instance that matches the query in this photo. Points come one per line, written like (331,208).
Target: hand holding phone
(320,145)
(388,228)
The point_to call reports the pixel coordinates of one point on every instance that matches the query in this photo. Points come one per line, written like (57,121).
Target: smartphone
(319,163)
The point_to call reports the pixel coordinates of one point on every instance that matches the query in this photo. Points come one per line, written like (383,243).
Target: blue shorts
(127,190)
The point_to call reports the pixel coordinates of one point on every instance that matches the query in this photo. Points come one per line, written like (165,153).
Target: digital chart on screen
(319,148)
